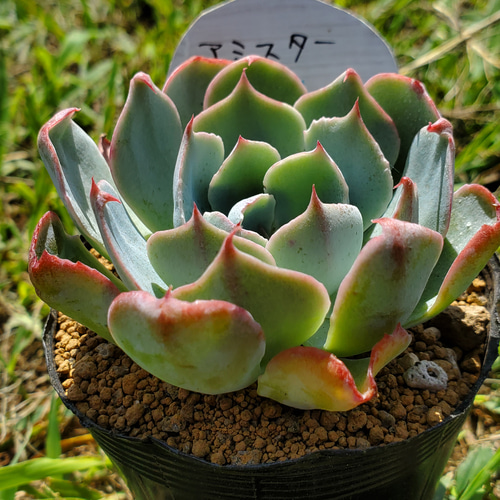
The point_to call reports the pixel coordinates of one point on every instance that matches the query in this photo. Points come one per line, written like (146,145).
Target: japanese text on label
(297,43)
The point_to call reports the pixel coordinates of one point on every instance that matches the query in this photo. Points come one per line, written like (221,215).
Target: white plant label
(316,40)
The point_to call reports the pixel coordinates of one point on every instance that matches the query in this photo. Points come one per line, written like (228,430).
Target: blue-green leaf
(124,243)
(144,150)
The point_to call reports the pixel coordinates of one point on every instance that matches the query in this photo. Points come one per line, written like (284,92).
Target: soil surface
(243,428)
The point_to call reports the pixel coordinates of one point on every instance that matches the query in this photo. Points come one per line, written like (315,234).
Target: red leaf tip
(441,126)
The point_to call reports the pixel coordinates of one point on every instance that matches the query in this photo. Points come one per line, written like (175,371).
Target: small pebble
(426,375)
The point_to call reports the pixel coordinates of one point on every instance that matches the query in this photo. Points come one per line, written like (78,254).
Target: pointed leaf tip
(126,247)
(323,241)
(181,255)
(354,150)
(43,135)
(388,348)
(290,181)
(441,126)
(145,79)
(100,196)
(255,116)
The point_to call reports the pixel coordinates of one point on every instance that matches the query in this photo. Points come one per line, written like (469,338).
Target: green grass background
(58,54)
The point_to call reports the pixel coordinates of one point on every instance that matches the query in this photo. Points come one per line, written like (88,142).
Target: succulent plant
(260,232)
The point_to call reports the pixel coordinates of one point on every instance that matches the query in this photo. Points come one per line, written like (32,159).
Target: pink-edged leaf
(290,306)
(311,378)
(181,255)
(268,77)
(323,242)
(409,105)
(430,165)
(144,151)
(338,98)
(72,159)
(389,348)
(187,85)
(104,145)
(403,206)
(383,286)
(207,346)
(126,246)
(472,238)
(69,278)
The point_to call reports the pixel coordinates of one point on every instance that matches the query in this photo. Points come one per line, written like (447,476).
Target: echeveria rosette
(261,232)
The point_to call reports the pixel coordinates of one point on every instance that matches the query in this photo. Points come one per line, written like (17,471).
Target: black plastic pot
(409,469)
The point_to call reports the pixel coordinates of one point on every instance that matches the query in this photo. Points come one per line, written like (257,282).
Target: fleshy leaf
(69,278)
(310,378)
(403,206)
(266,76)
(323,242)
(409,105)
(389,348)
(188,84)
(430,165)
(181,255)
(290,181)
(338,98)
(254,116)
(383,286)
(359,158)
(126,247)
(405,202)
(255,213)
(290,306)
(472,238)
(144,151)
(319,338)
(221,221)
(200,156)
(72,159)
(104,146)
(241,174)
(208,346)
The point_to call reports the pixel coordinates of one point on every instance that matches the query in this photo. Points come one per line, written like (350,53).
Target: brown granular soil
(242,428)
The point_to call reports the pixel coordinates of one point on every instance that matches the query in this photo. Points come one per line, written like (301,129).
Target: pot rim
(492,275)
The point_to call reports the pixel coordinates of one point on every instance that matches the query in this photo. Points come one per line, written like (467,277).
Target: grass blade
(53,440)
(482,477)
(12,476)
